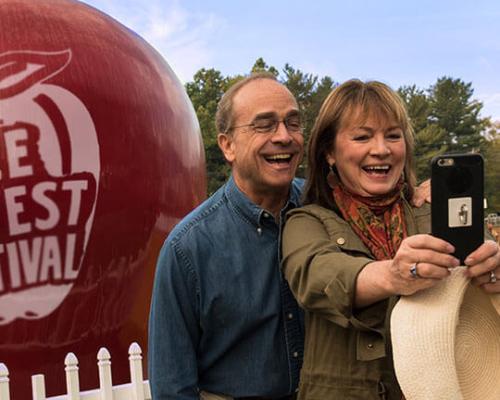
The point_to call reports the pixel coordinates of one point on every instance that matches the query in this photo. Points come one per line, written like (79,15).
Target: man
(223,321)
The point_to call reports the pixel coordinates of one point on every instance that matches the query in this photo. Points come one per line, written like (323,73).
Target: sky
(404,42)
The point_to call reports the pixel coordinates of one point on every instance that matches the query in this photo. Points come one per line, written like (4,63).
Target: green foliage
(417,104)
(453,109)
(492,168)
(430,138)
(310,95)
(205,91)
(261,66)
(447,119)
(429,143)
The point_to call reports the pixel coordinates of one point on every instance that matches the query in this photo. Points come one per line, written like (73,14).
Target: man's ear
(225,142)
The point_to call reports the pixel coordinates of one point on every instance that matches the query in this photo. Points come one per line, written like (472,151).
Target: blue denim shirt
(222,317)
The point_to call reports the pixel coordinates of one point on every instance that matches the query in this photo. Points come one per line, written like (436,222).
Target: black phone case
(457,190)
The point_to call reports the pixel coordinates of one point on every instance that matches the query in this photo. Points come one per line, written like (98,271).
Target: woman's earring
(332,177)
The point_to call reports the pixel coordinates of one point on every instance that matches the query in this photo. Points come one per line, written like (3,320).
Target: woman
(358,244)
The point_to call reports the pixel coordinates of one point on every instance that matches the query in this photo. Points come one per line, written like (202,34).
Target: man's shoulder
(199,218)
(298,184)
(296,189)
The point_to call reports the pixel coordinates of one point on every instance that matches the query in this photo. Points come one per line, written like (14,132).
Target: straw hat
(446,342)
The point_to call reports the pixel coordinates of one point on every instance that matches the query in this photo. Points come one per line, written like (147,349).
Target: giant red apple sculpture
(100,155)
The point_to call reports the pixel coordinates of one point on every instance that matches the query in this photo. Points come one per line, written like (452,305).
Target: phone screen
(457,190)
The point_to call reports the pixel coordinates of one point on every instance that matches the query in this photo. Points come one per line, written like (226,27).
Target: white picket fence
(137,389)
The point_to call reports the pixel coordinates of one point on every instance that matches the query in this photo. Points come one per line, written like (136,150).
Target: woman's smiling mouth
(377,169)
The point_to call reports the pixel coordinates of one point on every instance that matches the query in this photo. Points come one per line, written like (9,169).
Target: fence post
(105,382)
(135,361)
(38,387)
(4,382)
(72,381)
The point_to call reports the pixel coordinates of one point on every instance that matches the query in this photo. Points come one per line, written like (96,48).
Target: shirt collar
(250,210)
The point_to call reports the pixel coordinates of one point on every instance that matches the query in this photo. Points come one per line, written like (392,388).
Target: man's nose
(281,135)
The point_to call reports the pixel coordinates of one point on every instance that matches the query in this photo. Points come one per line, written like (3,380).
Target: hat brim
(446,342)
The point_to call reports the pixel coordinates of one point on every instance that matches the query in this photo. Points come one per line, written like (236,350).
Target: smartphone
(457,206)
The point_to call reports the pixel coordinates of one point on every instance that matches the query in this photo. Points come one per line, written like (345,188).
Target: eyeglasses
(292,123)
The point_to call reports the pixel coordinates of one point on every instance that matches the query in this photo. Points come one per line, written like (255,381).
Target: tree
(417,104)
(205,91)
(302,87)
(492,167)
(445,118)
(429,143)
(454,110)
(430,138)
(310,94)
(323,89)
(261,66)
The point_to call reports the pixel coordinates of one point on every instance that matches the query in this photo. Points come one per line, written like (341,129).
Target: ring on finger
(493,277)
(414,272)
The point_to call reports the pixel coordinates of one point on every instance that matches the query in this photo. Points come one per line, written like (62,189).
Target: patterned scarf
(378,221)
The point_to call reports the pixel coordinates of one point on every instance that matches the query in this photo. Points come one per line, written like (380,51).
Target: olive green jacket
(347,351)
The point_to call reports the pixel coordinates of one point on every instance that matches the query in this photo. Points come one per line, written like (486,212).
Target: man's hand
(422,194)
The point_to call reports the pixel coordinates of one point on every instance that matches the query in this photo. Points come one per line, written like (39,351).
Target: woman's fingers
(428,242)
(436,258)
(430,271)
(421,263)
(411,285)
(423,260)
(427,256)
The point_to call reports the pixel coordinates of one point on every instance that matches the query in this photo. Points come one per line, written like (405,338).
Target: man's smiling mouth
(279,158)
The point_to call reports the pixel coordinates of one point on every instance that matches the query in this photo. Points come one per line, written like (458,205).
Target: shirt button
(340,241)
(295,354)
(370,345)
(266,215)
(290,316)
(259,231)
